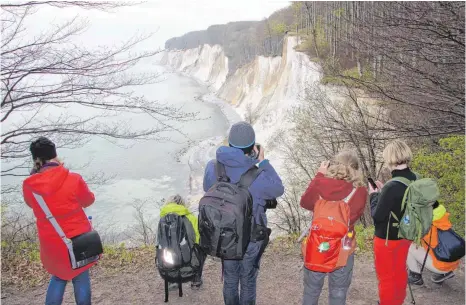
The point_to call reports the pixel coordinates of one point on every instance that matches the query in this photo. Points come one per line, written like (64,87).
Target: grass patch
(285,244)
(22,267)
(364,238)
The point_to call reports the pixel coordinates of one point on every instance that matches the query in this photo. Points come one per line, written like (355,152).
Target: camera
(271,204)
(254,154)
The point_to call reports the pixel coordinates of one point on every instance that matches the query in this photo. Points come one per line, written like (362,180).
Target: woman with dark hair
(58,196)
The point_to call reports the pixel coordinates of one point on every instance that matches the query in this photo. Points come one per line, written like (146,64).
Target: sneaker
(196,284)
(415,278)
(440,278)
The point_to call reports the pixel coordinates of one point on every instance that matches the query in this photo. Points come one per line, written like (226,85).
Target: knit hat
(242,135)
(43,149)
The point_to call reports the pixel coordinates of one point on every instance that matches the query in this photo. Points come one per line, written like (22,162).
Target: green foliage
(364,238)
(445,163)
(308,43)
(339,12)
(278,28)
(353,73)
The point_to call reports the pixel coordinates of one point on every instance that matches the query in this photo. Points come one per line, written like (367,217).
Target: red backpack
(323,249)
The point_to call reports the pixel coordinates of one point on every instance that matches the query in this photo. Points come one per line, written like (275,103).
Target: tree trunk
(359,66)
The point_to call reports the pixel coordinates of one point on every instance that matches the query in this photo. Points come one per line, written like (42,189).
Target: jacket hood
(441,218)
(234,157)
(48,181)
(173,208)
(333,189)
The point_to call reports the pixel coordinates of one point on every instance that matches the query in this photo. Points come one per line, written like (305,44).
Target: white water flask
(348,241)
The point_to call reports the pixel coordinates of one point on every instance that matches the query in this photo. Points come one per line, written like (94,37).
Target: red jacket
(66,194)
(334,189)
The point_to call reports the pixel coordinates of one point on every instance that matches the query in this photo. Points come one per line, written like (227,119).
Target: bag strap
(264,244)
(180,288)
(249,176)
(221,172)
(166,291)
(348,198)
(427,252)
(43,205)
(406,182)
(403,180)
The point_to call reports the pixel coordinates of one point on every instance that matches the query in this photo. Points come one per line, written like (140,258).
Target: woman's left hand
(373,190)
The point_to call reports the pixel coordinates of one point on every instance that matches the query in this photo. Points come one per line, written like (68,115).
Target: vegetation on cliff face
(242,41)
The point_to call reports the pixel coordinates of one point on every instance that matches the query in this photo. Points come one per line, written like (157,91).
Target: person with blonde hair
(338,181)
(391,251)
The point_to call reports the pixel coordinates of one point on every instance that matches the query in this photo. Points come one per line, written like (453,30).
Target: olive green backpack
(418,200)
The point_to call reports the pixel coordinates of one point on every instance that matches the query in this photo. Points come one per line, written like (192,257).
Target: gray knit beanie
(242,135)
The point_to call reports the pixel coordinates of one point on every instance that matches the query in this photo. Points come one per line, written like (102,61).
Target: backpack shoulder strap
(406,182)
(348,198)
(248,177)
(221,172)
(402,180)
(189,230)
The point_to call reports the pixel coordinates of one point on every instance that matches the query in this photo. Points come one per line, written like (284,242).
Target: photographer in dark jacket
(390,251)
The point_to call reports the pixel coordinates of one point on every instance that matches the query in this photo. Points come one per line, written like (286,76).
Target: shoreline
(196,156)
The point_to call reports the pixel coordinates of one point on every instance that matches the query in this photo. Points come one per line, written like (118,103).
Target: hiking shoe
(196,285)
(440,278)
(415,278)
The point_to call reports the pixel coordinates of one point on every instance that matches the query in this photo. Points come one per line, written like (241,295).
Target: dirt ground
(280,283)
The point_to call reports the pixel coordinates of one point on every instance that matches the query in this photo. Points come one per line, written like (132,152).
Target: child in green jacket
(176,205)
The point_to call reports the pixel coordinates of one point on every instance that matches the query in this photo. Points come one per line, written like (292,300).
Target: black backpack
(450,246)
(225,215)
(178,258)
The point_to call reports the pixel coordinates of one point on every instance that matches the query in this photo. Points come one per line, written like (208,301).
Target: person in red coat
(66,194)
(336,180)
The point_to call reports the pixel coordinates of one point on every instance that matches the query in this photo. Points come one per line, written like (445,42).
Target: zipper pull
(331,219)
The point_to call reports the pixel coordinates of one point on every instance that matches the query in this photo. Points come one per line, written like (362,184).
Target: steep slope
(266,89)
(205,63)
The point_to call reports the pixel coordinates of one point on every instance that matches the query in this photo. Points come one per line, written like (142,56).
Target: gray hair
(175,199)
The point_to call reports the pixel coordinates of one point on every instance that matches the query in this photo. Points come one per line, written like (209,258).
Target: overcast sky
(166,19)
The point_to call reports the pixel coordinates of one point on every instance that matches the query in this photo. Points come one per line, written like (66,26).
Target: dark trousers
(240,277)
(202,258)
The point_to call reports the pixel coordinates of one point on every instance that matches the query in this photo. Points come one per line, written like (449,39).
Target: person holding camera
(241,155)
(337,196)
(57,198)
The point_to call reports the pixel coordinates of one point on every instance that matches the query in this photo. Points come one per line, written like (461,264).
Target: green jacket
(173,208)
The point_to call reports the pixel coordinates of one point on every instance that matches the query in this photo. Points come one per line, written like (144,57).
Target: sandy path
(280,283)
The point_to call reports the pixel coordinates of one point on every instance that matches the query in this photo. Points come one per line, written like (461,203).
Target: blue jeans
(339,282)
(241,273)
(81,285)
